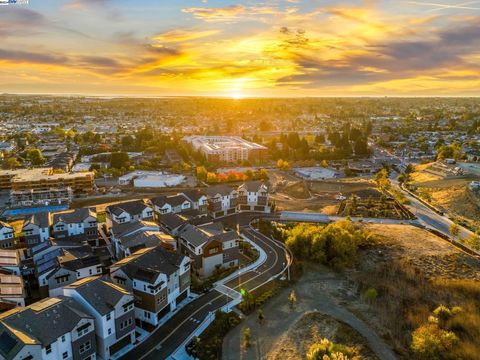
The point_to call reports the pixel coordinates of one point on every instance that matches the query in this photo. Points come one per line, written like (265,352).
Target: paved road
(168,337)
(429,217)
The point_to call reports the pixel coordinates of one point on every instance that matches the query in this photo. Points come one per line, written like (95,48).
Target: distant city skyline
(238,49)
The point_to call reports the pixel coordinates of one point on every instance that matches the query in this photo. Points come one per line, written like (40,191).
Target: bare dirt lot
(321,196)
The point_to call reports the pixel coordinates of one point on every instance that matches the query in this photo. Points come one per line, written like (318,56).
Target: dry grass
(311,328)
(414,272)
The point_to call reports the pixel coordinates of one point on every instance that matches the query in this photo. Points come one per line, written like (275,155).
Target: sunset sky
(241,48)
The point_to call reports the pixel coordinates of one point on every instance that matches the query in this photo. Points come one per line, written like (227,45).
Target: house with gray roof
(112,308)
(222,200)
(51,329)
(36,228)
(7,236)
(79,223)
(159,279)
(210,247)
(253,196)
(129,211)
(131,234)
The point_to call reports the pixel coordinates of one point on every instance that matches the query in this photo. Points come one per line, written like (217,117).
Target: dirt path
(315,292)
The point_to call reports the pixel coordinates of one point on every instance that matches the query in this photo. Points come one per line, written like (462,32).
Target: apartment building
(159,280)
(222,200)
(36,228)
(227,149)
(210,247)
(79,222)
(128,212)
(7,236)
(51,329)
(112,308)
(41,185)
(253,196)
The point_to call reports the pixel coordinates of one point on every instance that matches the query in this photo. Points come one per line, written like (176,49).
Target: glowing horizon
(240,49)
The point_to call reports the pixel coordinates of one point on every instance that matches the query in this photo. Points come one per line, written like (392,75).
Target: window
(82,330)
(127,323)
(109,317)
(48,349)
(147,314)
(65,355)
(90,271)
(110,331)
(84,347)
(161,299)
(63,338)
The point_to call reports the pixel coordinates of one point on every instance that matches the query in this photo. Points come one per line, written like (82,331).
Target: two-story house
(7,236)
(130,211)
(170,204)
(129,237)
(159,279)
(77,223)
(12,290)
(197,198)
(50,329)
(253,196)
(112,308)
(36,228)
(171,223)
(222,200)
(210,247)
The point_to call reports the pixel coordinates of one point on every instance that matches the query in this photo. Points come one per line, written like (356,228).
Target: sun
(237,96)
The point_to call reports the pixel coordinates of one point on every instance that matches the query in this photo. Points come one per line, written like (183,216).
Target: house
(222,200)
(36,228)
(130,211)
(197,198)
(112,308)
(210,247)
(171,204)
(51,329)
(132,234)
(159,280)
(71,269)
(77,223)
(56,267)
(12,290)
(7,236)
(171,223)
(253,196)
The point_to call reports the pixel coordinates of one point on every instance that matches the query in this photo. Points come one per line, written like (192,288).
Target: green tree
(11,163)
(119,160)
(35,156)
(260,316)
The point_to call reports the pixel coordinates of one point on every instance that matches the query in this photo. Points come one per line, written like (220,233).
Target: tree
(246,337)
(202,173)
(292,298)
(401,178)
(35,156)
(119,160)
(454,230)
(11,163)
(324,164)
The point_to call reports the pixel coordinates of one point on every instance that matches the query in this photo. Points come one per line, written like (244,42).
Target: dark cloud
(32,57)
(392,60)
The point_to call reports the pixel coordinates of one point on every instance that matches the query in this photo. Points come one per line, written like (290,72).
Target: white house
(129,211)
(112,308)
(7,235)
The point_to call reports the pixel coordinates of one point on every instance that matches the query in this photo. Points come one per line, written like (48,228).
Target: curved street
(167,338)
